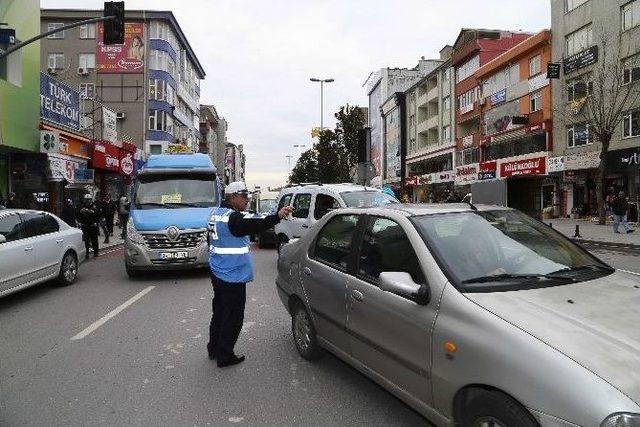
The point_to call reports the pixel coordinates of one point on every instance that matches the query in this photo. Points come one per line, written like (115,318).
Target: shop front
(579,184)
(466,175)
(623,174)
(106,162)
(440,186)
(525,176)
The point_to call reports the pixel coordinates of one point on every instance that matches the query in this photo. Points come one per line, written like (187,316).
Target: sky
(258,56)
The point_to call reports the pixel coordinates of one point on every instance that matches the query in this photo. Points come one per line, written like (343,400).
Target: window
(11,227)
(467,69)
(162,31)
(466,100)
(535,101)
(88,31)
(50,225)
(301,205)
(412,120)
(534,65)
(579,88)
(467,156)
(87,60)
(501,80)
(38,224)
(324,204)
(386,247)
(630,15)
(572,4)
(447,74)
(446,134)
(160,120)
(53,26)
(446,103)
(155,148)
(578,135)
(579,40)
(161,60)
(631,69)
(334,241)
(631,124)
(56,61)
(87,90)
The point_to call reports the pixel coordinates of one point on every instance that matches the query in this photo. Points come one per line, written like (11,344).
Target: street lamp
(289,156)
(322,82)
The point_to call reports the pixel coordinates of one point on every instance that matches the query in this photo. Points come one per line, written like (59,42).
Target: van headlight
(132,233)
(621,419)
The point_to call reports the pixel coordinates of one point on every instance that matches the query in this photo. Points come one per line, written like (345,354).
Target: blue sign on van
(59,103)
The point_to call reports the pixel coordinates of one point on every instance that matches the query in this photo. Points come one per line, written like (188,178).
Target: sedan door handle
(305,226)
(59,240)
(357,295)
(28,249)
(306,271)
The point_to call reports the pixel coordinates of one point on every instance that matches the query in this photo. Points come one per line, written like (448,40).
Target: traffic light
(114,28)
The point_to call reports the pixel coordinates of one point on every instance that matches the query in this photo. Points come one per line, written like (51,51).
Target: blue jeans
(620,220)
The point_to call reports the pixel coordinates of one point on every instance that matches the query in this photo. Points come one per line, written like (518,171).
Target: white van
(311,202)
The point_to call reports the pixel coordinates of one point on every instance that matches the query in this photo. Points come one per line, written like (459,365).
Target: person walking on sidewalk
(109,212)
(231,268)
(620,209)
(68,213)
(123,215)
(89,217)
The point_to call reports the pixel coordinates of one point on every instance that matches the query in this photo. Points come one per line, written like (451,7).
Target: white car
(311,202)
(37,246)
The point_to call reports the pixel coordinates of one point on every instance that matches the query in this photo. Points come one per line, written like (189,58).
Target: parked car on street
(472,315)
(312,201)
(37,246)
(267,203)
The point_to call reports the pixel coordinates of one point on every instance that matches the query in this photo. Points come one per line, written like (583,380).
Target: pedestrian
(89,217)
(102,219)
(68,213)
(231,268)
(620,208)
(12,203)
(123,214)
(109,213)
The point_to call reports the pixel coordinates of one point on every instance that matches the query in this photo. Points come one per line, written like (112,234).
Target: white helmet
(238,187)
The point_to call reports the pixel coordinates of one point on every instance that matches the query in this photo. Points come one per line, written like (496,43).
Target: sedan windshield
(505,250)
(366,199)
(176,191)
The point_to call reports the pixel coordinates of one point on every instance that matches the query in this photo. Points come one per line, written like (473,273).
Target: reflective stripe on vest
(230,251)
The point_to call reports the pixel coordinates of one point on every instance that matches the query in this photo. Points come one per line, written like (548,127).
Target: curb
(626,247)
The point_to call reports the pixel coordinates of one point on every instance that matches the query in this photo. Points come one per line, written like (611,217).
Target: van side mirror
(402,284)
(2,239)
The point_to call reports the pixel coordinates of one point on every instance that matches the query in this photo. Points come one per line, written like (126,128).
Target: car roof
(341,187)
(6,211)
(417,209)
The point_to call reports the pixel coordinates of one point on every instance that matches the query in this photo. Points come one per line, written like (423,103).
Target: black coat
(89,216)
(68,215)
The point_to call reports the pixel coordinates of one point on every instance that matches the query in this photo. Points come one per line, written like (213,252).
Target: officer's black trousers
(228,315)
(90,236)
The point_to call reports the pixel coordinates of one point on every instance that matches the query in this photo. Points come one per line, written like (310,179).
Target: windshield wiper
(581,268)
(504,277)
(189,205)
(161,205)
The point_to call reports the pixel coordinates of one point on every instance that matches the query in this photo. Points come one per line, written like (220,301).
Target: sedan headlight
(622,420)
(132,233)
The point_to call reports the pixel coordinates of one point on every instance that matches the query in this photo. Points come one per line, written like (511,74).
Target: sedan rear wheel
(68,269)
(304,334)
(496,409)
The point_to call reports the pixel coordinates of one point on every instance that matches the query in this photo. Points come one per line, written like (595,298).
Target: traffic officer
(88,217)
(231,268)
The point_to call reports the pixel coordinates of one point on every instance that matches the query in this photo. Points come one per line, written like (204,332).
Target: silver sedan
(474,316)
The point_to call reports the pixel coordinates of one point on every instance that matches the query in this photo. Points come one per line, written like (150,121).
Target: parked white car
(37,246)
(311,202)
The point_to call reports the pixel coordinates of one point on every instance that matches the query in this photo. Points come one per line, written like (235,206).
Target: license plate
(173,255)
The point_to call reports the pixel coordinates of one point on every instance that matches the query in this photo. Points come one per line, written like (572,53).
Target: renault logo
(173,233)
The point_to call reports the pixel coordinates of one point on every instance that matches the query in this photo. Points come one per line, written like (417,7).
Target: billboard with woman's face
(121,58)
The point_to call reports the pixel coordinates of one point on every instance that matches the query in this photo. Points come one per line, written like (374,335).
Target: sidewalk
(593,232)
(114,240)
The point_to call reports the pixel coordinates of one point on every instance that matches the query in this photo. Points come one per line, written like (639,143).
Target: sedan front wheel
(496,409)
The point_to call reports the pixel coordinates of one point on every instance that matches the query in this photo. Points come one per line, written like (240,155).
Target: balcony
(422,127)
(432,122)
(432,94)
(422,100)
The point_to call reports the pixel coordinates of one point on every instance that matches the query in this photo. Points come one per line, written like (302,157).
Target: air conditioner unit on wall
(82,71)
(51,70)
(120,116)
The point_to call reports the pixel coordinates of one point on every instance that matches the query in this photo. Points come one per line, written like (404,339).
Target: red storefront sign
(487,170)
(106,156)
(412,181)
(127,159)
(534,166)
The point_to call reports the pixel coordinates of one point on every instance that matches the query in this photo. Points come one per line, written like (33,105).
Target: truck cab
(172,201)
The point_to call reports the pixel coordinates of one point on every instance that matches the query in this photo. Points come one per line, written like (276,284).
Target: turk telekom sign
(59,103)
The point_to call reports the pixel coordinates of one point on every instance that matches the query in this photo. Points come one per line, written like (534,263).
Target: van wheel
(68,269)
(304,334)
(496,409)
(281,240)
(133,273)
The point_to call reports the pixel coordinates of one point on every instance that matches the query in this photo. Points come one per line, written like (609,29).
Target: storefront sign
(49,141)
(622,160)
(127,165)
(106,156)
(538,82)
(59,103)
(581,59)
(467,174)
(584,160)
(499,119)
(555,164)
(83,176)
(487,170)
(411,181)
(553,70)
(498,97)
(63,167)
(437,177)
(109,132)
(121,58)
(534,166)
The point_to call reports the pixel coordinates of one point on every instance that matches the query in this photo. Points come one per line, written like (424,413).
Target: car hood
(596,323)
(160,219)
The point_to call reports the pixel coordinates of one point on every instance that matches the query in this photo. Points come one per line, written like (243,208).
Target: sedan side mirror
(402,284)
(2,239)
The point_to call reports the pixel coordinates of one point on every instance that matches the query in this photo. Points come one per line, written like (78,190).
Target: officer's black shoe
(95,254)
(211,351)
(233,360)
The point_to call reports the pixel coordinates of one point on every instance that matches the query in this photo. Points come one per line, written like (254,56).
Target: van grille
(184,240)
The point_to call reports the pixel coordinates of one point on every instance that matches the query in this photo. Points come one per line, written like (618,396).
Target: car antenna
(467,199)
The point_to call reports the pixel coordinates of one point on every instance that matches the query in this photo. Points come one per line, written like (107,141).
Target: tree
(607,98)
(306,168)
(350,119)
(330,158)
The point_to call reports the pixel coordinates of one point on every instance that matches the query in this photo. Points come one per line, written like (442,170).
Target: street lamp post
(289,156)
(322,82)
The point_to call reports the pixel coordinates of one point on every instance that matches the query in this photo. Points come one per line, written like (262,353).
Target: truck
(172,200)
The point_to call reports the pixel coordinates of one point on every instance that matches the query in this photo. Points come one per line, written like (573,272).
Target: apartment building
(430,135)
(213,129)
(235,161)
(579,28)
(516,130)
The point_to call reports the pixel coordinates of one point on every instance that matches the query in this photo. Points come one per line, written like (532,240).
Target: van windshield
(170,191)
(267,205)
(366,199)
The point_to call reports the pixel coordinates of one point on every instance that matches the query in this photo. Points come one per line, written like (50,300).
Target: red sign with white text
(534,166)
(106,156)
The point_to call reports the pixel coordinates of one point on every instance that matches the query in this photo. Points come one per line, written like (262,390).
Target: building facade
(234,168)
(213,130)
(516,130)
(579,29)
(430,136)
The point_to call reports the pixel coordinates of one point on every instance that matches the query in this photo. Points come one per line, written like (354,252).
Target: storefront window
(631,124)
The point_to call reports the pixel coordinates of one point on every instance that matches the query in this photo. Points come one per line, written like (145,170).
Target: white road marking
(95,325)
(236,419)
(630,272)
